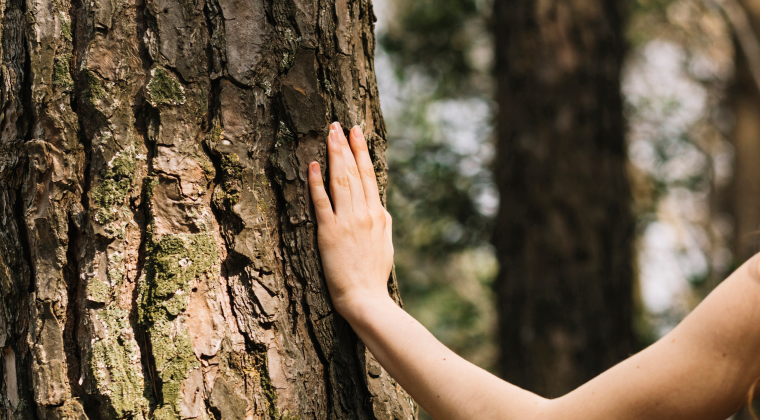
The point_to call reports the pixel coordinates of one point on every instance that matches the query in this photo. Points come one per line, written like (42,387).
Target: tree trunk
(157,253)
(744,191)
(744,97)
(564,228)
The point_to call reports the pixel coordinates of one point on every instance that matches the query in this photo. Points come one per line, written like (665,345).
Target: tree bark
(564,229)
(158,256)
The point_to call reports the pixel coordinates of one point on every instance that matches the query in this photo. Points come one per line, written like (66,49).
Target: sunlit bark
(157,251)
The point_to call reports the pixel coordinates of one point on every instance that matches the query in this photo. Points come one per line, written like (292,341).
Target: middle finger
(358,201)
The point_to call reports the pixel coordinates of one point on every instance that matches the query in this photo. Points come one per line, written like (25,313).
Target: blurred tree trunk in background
(564,231)
(744,201)
(744,98)
(157,251)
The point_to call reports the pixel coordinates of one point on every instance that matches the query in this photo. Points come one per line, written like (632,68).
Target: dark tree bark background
(564,229)
(157,250)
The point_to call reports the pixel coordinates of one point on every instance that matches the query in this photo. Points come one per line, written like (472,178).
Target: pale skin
(703,369)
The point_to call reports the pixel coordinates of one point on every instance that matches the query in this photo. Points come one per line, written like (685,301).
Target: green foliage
(443,261)
(434,36)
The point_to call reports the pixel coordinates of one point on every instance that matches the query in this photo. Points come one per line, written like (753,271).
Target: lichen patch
(110,196)
(164,88)
(174,264)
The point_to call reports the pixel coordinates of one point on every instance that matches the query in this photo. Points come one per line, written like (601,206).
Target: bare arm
(701,370)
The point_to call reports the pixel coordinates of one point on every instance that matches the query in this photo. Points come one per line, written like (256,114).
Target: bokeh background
(692,136)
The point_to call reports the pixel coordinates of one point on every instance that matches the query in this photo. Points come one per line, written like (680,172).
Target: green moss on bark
(173,262)
(98,291)
(94,91)
(61,72)
(110,196)
(66,30)
(115,365)
(164,88)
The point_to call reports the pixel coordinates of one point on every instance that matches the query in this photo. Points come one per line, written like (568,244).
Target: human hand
(354,232)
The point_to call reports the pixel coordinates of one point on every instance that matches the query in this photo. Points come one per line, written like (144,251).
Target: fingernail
(314,168)
(335,126)
(357,130)
(334,136)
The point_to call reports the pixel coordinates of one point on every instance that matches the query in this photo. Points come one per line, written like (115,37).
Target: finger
(365,167)
(339,187)
(322,206)
(354,180)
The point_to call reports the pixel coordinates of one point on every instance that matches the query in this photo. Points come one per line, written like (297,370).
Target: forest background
(690,135)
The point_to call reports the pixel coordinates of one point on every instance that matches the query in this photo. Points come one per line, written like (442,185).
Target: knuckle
(365,220)
(353,171)
(341,181)
(368,171)
(380,216)
(322,202)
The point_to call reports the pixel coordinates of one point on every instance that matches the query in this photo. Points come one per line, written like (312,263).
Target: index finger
(322,207)
(365,166)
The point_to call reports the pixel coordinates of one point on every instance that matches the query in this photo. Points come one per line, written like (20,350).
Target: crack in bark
(26,90)
(71,327)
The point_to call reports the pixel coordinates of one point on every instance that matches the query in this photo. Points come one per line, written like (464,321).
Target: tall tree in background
(564,230)
(744,98)
(157,251)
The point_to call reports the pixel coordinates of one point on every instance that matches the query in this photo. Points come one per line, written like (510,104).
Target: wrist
(359,310)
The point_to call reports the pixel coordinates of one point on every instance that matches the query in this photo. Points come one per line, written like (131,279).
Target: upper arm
(703,369)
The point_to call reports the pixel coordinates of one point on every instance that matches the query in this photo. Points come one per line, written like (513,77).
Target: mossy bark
(158,257)
(564,231)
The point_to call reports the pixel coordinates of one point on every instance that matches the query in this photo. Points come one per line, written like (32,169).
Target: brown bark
(157,252)
(564,228)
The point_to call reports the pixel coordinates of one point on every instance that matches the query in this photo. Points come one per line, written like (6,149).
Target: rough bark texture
(157,251)
(564,228)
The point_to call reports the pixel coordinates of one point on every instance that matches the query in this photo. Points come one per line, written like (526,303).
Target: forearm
(444,384)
